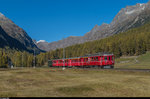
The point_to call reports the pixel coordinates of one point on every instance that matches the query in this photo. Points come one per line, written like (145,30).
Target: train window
(105,58)
(92,58)
(96,58)
(109,58)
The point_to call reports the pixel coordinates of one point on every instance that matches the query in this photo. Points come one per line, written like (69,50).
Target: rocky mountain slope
(41,44)
(127,18)
(15,37)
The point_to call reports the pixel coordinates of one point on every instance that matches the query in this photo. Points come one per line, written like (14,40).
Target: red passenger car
(102,60)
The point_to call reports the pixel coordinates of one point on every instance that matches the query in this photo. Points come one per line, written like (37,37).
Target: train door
(89,60)
(70,63)
(105,60)
(101,60)
(66,62)
(109,60)
(96,60)
(81,62)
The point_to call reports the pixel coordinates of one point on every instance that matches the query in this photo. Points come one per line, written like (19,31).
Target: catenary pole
(64,57)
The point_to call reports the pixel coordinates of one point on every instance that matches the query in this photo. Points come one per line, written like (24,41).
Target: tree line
(132,42)
(16,58)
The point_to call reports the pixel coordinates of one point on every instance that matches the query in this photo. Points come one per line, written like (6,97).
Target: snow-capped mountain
(127,18)
(42,44)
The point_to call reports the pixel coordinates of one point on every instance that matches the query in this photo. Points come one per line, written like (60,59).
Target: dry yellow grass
(54,82)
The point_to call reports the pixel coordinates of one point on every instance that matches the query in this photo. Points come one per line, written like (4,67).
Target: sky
(53,20)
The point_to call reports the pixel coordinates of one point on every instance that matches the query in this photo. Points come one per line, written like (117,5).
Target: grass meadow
(55,82)
(134,62)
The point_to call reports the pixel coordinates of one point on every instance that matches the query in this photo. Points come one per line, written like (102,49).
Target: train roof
(98,54)
(90,55)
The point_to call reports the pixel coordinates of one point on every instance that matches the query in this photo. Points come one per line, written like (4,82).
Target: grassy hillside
(138,62)
(53,82)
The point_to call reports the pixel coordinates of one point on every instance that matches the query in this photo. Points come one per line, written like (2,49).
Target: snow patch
(41,41)
(130,12)
(143,8)
(141,4)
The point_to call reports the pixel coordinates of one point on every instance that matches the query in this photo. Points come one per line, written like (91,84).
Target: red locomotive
(102,60)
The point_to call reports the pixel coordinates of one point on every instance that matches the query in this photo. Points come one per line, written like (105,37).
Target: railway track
(118,69)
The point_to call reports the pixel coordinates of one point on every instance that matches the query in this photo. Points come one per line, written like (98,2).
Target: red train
(102,60)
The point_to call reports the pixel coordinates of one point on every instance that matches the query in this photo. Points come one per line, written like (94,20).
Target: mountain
(41,44)
(127,18)
(7,40)
(15,37)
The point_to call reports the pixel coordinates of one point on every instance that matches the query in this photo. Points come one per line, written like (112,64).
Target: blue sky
(52,20)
